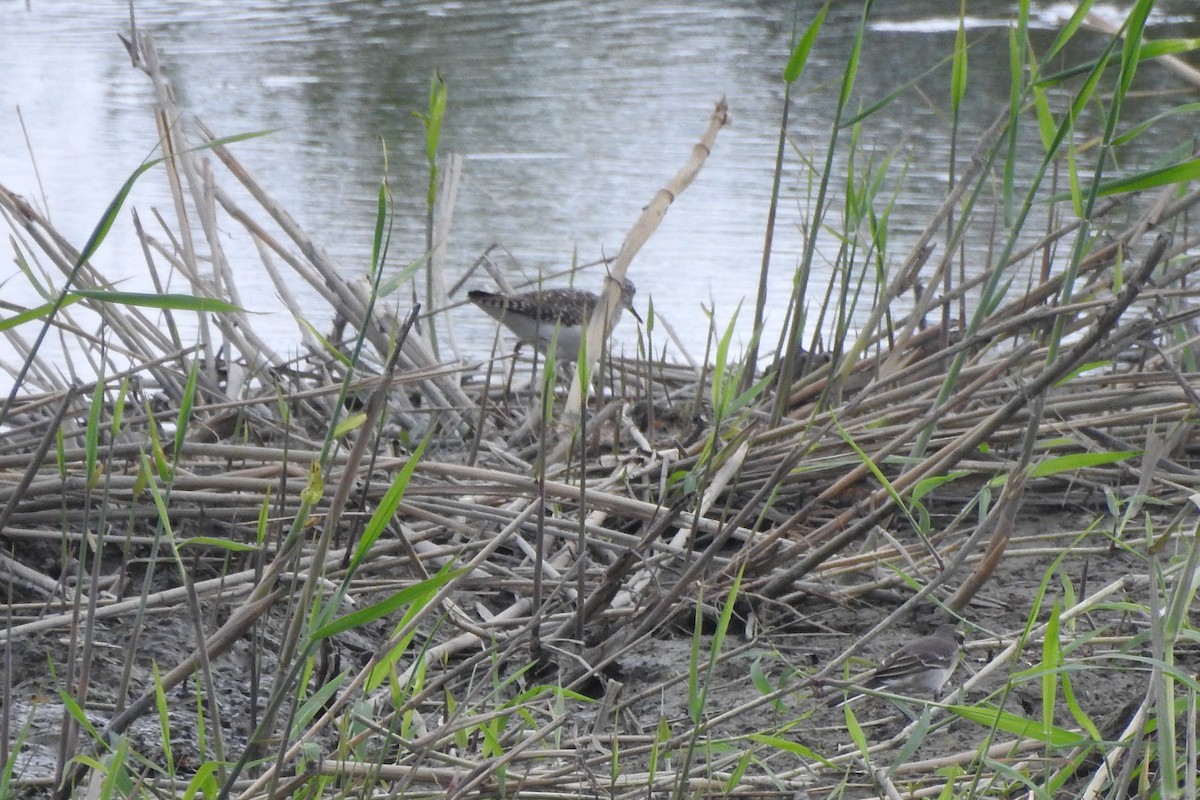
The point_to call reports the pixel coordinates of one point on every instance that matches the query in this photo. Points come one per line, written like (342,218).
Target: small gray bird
(538,317)
(923,665)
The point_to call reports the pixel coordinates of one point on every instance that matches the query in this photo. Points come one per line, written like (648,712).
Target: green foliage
(958,72)
(185,409)
(92,433)
(417,596)
(349,424)
(803,48)
(1017,725)
(164,720)
(386,510)
(432,120)
(1076,461)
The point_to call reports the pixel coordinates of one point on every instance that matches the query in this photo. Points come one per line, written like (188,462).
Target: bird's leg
(512,371)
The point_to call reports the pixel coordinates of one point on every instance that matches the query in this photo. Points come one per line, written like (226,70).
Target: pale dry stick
(170,336)
(600,323)
(323,274)
(166,116)
(201,451)
(17,574)
(13,498)
(881,778)
(612,503)
(285,295)
(234,326)
(717,784)
(232,586)
(549,566)
(124,487)
(1096,787)
(659,319)
(199,180)
(640,580)
(966,757)
(599,602)
(443,393)
(655,465)
(203,184)
(870,510)
(447,195)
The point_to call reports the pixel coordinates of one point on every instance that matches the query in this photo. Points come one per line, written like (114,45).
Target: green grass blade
(387,506)
(350,423)
(417,594)
(1077,461)
(800,53)
(1016,725)
(174,302)
(1151,179)
(795,748)
(35,313)
(164,719)
(92,433)
(185,408)
(1069,29)
(1051,661)
(958,68)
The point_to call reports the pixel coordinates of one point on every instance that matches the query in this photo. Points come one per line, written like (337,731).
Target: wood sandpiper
(539,316)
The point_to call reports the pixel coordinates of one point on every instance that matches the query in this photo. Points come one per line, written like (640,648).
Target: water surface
(570,116)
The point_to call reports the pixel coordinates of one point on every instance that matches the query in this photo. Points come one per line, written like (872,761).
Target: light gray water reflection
(570,116)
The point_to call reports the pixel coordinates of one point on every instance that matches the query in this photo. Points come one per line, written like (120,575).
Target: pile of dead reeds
(434,575)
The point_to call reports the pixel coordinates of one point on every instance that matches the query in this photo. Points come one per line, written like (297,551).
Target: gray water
(570,116)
